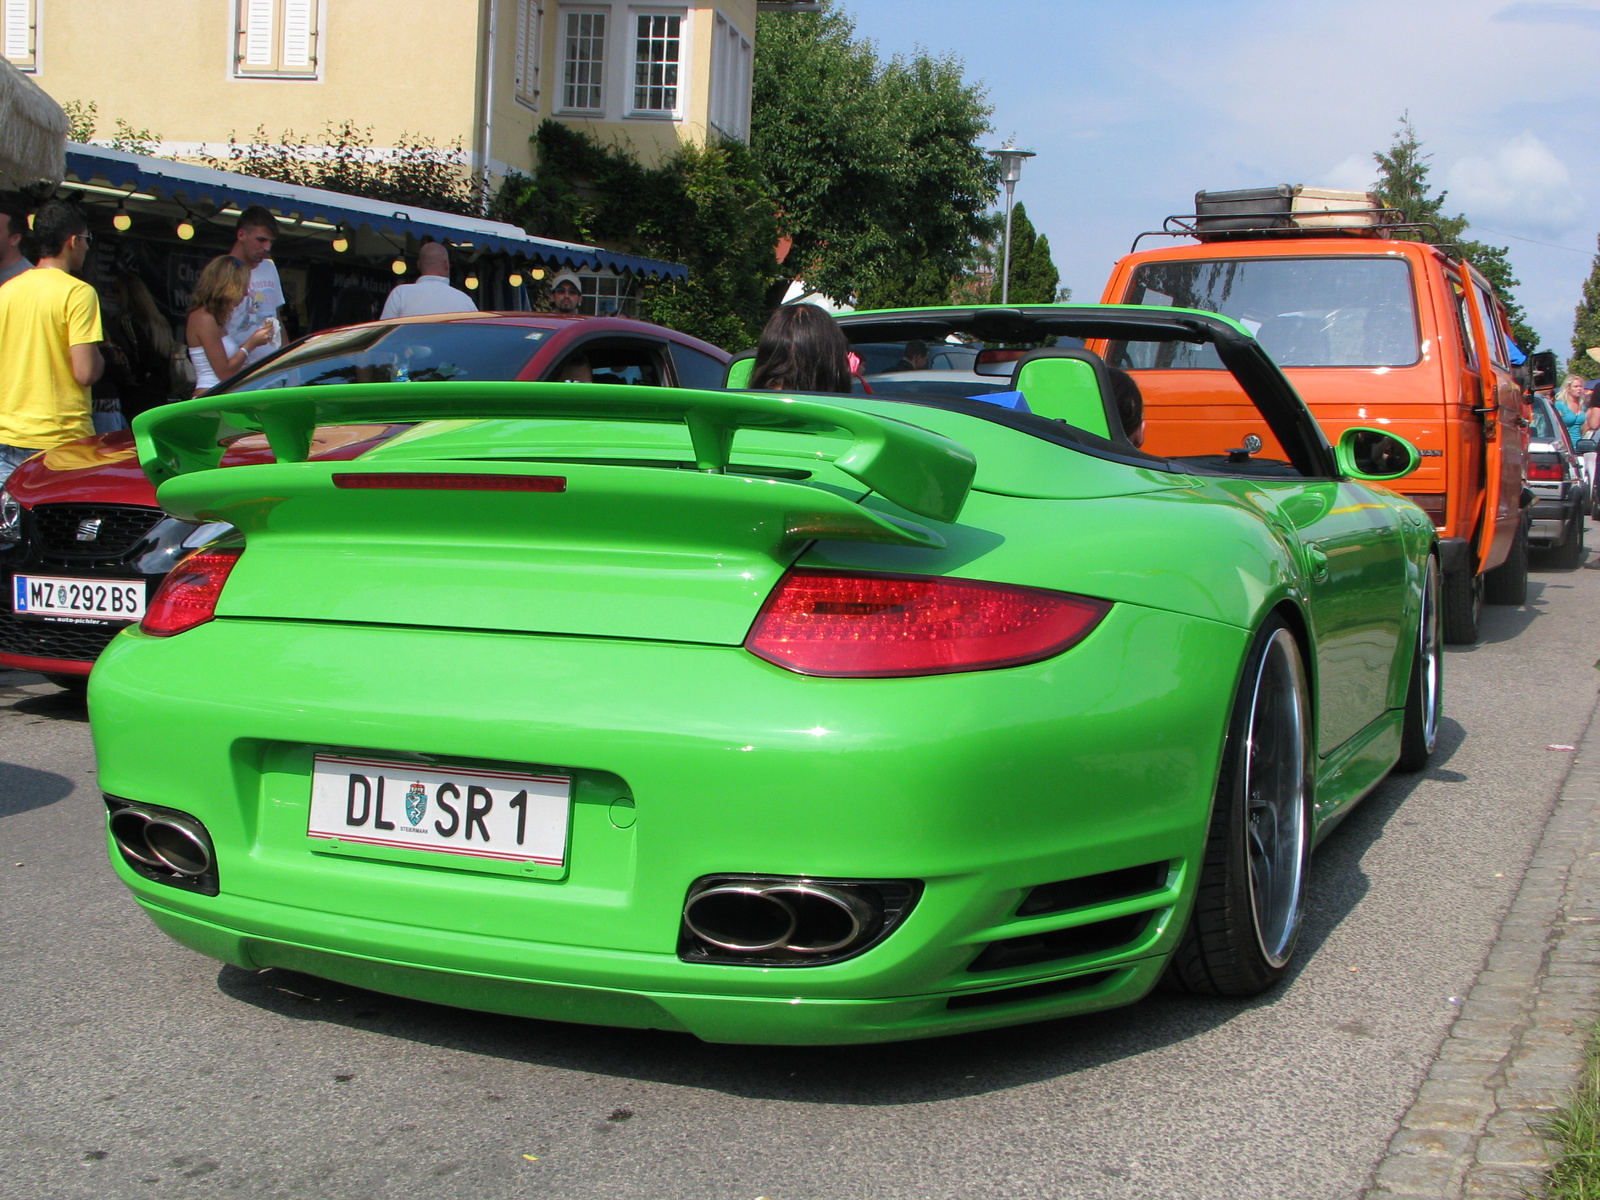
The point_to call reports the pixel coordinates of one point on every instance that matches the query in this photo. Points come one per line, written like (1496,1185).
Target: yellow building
(481,72)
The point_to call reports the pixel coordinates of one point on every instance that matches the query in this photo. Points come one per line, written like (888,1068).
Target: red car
(83,542)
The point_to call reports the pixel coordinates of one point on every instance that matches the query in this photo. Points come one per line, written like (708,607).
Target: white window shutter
(522,47)
(17,30)
(297,33)
(258,33)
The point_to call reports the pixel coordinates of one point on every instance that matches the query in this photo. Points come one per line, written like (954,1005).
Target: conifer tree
(1586,325)
(1403,184)
(1034,278)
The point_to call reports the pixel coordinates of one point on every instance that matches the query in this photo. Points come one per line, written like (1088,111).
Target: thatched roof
(33,132)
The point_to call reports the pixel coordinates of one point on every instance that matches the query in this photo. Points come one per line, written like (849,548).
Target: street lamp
(1010,159)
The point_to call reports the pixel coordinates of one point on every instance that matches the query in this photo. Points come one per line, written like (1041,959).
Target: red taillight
(1547,472)
(188,595)
(438,481)
(820,623)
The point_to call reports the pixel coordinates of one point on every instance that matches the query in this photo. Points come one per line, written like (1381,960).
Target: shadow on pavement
(23,789)
(890,1074)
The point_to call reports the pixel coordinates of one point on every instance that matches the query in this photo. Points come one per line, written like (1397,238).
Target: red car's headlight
(866,625)
(188,595)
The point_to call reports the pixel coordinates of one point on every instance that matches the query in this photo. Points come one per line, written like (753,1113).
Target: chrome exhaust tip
(128,827)
(826,920)
(740,917)
(180,846)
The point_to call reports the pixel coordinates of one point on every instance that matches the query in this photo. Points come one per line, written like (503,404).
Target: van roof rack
(1377,222)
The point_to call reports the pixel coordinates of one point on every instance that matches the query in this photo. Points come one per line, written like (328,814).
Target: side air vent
(1104,888)
(1029,991)
(1093,938)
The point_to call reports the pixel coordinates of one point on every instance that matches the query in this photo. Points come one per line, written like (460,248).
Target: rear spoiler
(920,471)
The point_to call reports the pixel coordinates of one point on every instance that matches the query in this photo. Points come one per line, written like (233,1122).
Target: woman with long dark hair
(802,349)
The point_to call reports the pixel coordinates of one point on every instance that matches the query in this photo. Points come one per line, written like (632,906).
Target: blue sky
(1134,105)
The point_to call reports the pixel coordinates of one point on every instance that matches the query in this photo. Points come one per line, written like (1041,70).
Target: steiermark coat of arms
(416,803)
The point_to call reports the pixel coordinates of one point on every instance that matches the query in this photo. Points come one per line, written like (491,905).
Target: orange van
(1373,330)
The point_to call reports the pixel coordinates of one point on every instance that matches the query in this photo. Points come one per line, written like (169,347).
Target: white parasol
(33,132)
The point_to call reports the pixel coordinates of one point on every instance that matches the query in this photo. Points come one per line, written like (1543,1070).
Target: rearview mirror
(996,362)
(1374,456)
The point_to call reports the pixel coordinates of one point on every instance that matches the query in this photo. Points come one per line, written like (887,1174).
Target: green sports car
(784,718)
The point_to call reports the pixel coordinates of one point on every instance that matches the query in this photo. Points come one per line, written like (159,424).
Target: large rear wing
(920,471)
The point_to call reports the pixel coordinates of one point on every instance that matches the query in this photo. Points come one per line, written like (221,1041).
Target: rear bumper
(980,785)
(47,666)
(1553,519)
(771,1020)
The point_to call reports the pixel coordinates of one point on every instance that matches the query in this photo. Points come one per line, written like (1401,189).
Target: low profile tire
(1425,696)
(1462,606)
(1247,908)
(1508,583)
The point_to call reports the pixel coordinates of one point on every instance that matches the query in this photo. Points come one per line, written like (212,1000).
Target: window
(22,34)
(1344,311)
(275,39)
(583,61)
(530,50)
(607,295)
(417,353)
(731,62)
(696,370)
(657,48)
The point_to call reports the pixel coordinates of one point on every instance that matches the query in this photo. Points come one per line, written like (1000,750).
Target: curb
(1515,1051)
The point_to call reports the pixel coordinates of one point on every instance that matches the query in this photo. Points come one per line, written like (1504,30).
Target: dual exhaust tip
(794,920)
(163,842)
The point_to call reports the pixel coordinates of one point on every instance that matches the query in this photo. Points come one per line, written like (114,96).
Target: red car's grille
(91,530)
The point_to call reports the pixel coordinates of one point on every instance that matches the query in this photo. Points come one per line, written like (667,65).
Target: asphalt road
(132,1067)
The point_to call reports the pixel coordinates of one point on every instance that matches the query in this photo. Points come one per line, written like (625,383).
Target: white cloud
(1522,185)
(1355,173)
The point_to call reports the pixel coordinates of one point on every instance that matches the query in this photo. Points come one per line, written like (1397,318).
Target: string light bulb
(398,266)
(185,231)
(536,274)
(514,279)
(340,242)
(121,221)
(472,283)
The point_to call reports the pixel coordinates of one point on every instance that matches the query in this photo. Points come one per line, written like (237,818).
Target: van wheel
(1247,907)
(1425,697)
(1463,605)
(1508,583)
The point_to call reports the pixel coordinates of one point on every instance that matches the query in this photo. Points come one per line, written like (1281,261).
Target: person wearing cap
(431,294)
(565,294)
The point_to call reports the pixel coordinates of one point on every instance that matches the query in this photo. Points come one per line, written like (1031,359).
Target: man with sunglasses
(565,294)
(49,342)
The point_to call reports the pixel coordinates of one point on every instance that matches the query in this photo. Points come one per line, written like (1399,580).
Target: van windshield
(1342,311)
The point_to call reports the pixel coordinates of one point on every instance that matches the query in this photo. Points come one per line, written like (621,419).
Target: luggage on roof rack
(1290,209)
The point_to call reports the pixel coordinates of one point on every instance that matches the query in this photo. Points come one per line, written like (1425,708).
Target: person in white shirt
(252,246)
(431,293)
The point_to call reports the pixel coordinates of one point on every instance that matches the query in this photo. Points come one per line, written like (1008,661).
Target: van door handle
(1319,564)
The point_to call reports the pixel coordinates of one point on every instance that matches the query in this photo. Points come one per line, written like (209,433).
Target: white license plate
(509,816)
(99,599)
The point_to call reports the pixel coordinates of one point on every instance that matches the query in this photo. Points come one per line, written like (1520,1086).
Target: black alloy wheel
(1247,906)
(1419,734)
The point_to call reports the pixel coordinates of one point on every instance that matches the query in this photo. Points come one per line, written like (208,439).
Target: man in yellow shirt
(49,335)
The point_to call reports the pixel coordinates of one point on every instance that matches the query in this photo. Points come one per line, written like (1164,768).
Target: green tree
(704,208)
(1034,278)
(1586,325)
(874,165)
(1403,184)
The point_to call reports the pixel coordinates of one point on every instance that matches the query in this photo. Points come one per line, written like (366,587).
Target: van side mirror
(1586,446)
(1374,456)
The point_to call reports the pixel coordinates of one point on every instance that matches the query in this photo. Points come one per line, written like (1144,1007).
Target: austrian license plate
(509,816)
(92,599)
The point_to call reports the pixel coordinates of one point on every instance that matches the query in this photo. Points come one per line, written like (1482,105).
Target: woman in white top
(222,285)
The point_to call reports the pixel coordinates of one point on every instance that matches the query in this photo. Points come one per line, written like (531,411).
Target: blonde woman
(222,286)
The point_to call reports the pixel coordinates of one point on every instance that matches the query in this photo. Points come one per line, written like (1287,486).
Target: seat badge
(89,529)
